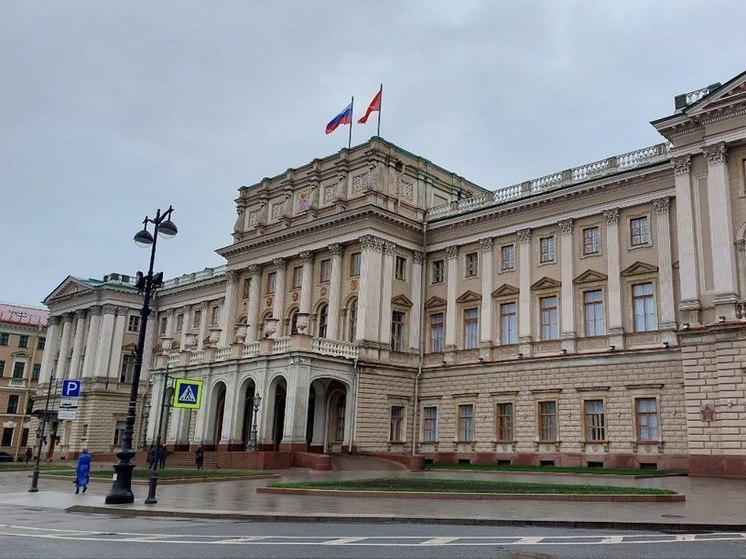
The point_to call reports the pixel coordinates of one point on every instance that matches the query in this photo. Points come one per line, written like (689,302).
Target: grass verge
(143,474)
(44,466)
(557,470)
(470,486)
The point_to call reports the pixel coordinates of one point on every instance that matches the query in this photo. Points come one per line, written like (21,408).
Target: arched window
(352,321)
(323,320)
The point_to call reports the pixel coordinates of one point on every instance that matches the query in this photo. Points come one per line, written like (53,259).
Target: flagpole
(352,112)
(380,107)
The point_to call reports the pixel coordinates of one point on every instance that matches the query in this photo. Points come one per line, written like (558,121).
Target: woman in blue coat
(82,471)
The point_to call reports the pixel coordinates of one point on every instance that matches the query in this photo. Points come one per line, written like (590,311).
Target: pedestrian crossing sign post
(188,393)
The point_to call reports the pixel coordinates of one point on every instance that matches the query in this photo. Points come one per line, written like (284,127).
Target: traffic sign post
(71,388)
(188,393)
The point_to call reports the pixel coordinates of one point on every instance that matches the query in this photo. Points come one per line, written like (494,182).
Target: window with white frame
(594,420)
(297,277)
(400,268)
(325,270)
(471,328)
(646,419)
(591,240)
(22,341)
(396,434)
(547,249)
(352,321)
(128,365)
(271,281)
(397,331)
(133,323)
(215,315)
(355,264)
(593,308)
(472,265)
(508,323)
(118,432)
(19,369)
(13,400)
(439,268)
(164,324)
(504,421)
(436,332)
(548,312)
(639,231)
(323,320)
(548,420)
(507,257)
(429,424)
(644,307)
(196,319)
(466,422)
(179,322)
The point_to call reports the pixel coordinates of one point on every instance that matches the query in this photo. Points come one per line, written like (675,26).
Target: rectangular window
(397,331)
(118,432)
(29,406)
(397,424)
(24,437)
(436,332)
(128,365)
(430,424)
(507,257)
(549,327)
(593,305)
(471,328)
(4,338)
(466,422)
(271,279)
(646,412)
(246,287)
(639,231)
(197,319)
(22,341)
(133,325)
(504,423)
(325,270)
(19,368)
(472,265)
(179,322)
(36,372)
(13,403)
(2,368)
(164,324)
(355,264)
(297,277)
(591,240)
(595,420)
(508,324)
(215,315)
(547,249)
(339,424)
(548,421)
(439,269)
(400,268)
(41,343)
(7,436)
(644,306)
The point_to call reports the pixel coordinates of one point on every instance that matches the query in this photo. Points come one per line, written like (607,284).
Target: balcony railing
(17,383)
(281,345)
(222,354)
(335,348)
(174,360)
(251,349)
(197,357)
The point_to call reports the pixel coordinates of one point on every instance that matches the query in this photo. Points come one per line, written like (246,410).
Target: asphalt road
(43,533)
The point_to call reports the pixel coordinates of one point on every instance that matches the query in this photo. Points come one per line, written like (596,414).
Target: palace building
(373,302)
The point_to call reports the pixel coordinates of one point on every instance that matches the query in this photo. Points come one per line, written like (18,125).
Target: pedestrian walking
(152,456)
(29,453)
(162,457)
(82,471)
(199,457)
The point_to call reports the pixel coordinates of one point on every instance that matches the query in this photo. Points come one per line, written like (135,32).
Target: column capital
(715,153)
(371,243)
(254,269)
(611,216)
(565,226)
(389,248)
(109,309)
(486,244)
(452,251)
(121,311)
(280,263)
(682,165)
(307,256)
(95,310)
(419,256)
(662,205)
(68,316)
(53,320)
(80,314)
(231,276)
(524,235)
(740,245)
(337,249)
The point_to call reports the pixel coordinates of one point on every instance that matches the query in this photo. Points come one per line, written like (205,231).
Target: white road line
(343,541)
(612,539)
(528,541)
(685,537)
(438,541)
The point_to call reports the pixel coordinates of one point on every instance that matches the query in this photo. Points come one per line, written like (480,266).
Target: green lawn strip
(170,473)
(20,466)
(470,486)
(557,470)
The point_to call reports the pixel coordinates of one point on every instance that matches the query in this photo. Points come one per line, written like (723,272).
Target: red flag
(375,105)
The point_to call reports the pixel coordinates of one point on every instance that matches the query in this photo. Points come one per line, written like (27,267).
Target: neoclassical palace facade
(380,304)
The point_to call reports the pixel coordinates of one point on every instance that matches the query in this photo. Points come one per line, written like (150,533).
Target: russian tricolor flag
(345,117)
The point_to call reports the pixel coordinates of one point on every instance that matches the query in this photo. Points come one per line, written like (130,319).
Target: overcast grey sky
(111,109)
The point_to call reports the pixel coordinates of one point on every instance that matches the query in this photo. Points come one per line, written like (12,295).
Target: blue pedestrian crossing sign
(188,393)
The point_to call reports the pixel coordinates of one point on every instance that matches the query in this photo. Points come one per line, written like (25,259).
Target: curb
(130,511)
(171,481)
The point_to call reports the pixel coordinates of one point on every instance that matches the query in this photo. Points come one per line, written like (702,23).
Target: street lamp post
(253,442)
(44,417)
(153,480)
(121,489)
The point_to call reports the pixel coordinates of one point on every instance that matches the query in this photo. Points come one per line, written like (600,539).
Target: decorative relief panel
(360,182)
(405,188)
(330,192)
(304,200)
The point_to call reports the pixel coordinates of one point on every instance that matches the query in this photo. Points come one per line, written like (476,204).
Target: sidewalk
(711,504)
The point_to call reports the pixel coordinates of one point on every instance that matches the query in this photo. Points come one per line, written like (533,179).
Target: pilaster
(524,296)
(228,316)
(665,267)
(384,334)
(689,304)
(452,279)
(415,317)
(335,291)
(485,312)
(567,299)
(254,330)
(278,306)
(94,332)
(616,326)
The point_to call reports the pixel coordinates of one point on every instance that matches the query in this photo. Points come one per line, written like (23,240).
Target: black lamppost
(43,416)
(253,442)
(121,489)
(153,480)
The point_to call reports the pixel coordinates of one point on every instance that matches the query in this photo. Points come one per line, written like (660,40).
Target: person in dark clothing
(152,456)
(162,457)
(29,453)
(199,457)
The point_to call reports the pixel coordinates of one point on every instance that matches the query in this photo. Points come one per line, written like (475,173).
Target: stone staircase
(184,459)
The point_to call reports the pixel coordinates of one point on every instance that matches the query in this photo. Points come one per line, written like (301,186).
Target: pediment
(639,268)
(435,302)
(468,297)
(720,97)
(69,286)
(590,276)
(546,283)
(401,301)
(505,290)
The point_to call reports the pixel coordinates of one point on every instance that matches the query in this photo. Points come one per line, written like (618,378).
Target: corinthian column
(384,332)
(228,318)
(50,350)
(278,308)
(616,327)
(567,306)
(451,295)
(306,291)
(94,330)
(665,266)
(370,288)
(117,340)
(524,285)
(103,351)
(61,371)
(335,291)
(75,368)
(688,266)
(485,319)
(254,329)
(416,314)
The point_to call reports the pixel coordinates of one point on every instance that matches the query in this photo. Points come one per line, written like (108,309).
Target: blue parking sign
(71,388)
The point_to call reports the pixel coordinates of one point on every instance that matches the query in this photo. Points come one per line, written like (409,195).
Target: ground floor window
(646,416)
(397,424)
(595,420)
(7,436)
(504,415)
(429,424)
(466,422)
(118,432)
(548,421)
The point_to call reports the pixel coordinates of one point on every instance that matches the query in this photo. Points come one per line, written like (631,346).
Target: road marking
(343,541)
(612,539)
(685,537)
(528,541)
(439,541)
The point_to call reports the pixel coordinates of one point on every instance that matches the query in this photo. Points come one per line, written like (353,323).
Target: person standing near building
(199,457)
(162,457)
(82,471)
(29,453)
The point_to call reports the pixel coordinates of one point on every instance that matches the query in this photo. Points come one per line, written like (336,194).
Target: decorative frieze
(360,182)
(405,188)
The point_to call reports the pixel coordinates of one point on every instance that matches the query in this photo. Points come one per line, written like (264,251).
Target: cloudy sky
(111,109)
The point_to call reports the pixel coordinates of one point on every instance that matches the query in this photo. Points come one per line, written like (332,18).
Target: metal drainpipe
(423,283)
